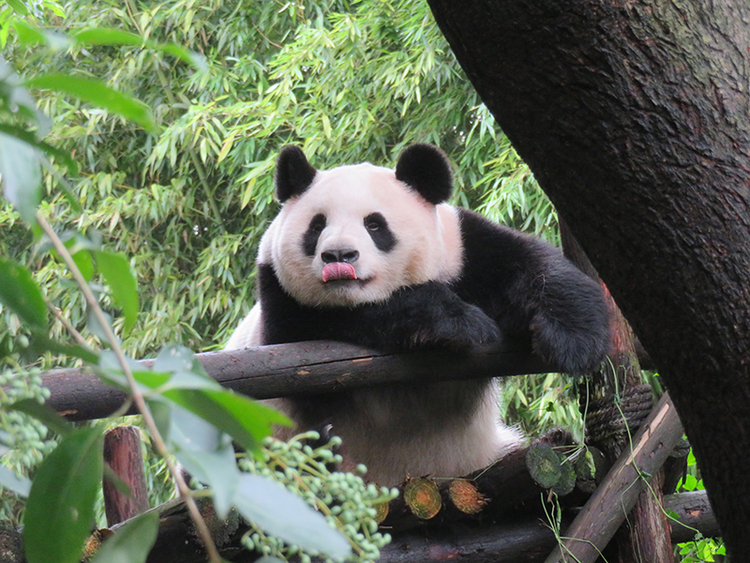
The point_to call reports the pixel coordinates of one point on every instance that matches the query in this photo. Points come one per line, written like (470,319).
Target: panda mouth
(338,271)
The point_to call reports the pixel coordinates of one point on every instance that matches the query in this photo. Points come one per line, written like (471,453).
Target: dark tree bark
(634,117)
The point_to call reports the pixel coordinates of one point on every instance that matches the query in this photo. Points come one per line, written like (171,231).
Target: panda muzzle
(335,271)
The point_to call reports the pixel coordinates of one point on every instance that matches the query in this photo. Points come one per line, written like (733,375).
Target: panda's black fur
(507,287)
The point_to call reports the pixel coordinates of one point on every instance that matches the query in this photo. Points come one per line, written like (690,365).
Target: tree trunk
(634,117)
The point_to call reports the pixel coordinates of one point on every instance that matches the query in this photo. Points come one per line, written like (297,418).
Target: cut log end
(466,497)
(422,496)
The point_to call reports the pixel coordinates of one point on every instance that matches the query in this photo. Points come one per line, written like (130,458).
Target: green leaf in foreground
(207,454)
(283,514)
(20,176)
(60,509)
(116,270)
(18,7)
(132,542)
(100,95)
(20,293)
(30,139)
(245,420)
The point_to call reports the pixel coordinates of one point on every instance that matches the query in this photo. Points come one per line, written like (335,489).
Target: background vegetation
(188,201)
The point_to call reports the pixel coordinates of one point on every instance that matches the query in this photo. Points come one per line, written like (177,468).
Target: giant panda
(376,257)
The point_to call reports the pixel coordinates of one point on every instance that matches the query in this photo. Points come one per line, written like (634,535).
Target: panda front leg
(429,314)
(570,322)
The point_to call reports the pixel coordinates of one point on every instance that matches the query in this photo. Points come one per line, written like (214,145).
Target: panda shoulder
(477,229)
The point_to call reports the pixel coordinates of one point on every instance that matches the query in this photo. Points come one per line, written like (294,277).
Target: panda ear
(294,173)
(425,168)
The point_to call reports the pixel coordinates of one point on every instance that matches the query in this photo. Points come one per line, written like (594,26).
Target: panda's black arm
(416,316)
(537,296)
(426,315)
(569,318)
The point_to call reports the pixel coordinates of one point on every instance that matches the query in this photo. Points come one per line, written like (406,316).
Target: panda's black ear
(425,168)
(294,173)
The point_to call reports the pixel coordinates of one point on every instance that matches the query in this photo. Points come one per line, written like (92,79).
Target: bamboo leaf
(113,36)
(18,7)
(60,509)
(29,35)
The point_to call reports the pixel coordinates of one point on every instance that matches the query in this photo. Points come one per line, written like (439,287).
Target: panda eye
(317,224)
(374,222)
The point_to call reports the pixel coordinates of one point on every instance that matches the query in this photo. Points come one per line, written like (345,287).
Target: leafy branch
(135,390)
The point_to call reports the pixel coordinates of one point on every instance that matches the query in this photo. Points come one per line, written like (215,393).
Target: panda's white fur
(444,429)
(429,242)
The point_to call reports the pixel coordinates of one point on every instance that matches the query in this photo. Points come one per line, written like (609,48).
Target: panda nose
(339,255)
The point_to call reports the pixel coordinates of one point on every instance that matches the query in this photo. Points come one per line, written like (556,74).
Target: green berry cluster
(23,442)
(344,498)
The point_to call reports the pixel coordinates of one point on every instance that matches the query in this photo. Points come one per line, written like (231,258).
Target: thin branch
(77,336)
(134,389)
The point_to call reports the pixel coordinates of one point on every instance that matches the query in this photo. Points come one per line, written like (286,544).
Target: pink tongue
(338,271)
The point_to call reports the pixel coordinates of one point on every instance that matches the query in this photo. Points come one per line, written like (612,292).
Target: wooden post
(122,452)
(616,496)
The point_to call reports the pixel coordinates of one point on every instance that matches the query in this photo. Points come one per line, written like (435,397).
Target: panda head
(355,234)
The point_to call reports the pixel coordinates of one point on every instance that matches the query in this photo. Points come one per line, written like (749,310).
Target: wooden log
(302,368)
(499,492)
(422,496)
(606,510)
(694,513)
(528,540)
(122,452)
(524,540)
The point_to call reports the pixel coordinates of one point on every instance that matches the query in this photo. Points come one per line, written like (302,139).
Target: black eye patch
(312,234)
(380,233)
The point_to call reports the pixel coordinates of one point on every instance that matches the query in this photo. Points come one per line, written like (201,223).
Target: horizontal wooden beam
(301,368)
(524,540)
(530,541)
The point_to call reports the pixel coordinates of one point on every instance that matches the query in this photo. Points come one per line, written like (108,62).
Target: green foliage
(700,549)
(346,501)
(132,543)
(60,509)
(539,404)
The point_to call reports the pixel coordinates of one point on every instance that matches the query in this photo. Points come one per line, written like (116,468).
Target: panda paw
(471,327)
